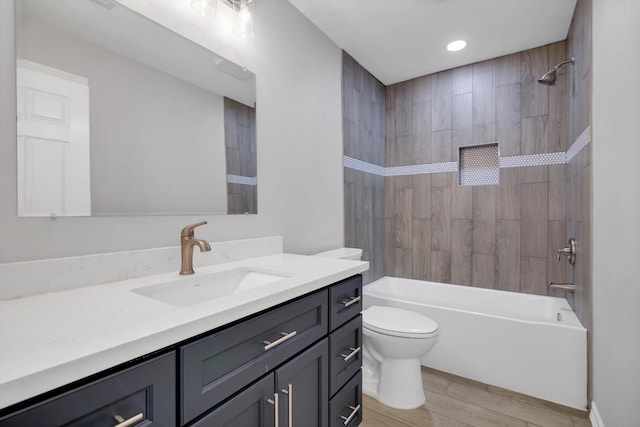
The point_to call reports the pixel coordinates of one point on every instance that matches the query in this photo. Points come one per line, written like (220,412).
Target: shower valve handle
(563,251)
(569,252)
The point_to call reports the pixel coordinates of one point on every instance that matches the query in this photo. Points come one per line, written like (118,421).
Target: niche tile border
(479,165)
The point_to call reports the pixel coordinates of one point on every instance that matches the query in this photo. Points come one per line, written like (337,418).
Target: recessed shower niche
(479,165)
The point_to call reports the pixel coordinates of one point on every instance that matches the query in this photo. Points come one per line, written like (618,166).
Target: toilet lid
(395,321)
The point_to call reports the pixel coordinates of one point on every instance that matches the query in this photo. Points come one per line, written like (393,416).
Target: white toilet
(394,342)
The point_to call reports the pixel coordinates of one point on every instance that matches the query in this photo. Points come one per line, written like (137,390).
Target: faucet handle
(569,252)
(188,230)
(563,251)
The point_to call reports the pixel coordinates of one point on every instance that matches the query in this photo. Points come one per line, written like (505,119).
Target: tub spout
(567,287)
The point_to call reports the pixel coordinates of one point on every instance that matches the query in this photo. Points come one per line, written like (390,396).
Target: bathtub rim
(564,304)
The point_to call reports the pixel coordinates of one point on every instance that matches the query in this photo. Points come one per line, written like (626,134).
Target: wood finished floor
(456,401)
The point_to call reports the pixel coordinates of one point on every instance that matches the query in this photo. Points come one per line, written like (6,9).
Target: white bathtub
(530,344)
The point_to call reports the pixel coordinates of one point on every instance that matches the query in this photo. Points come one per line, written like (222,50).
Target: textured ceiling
(397,40)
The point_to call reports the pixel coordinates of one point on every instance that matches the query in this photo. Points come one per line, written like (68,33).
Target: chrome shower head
(549,78)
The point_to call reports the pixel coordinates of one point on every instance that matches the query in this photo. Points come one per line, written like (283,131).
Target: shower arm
(568,61)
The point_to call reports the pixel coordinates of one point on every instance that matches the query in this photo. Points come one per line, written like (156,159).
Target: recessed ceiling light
(456,45)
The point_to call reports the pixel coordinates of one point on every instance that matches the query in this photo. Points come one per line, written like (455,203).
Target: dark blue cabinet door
(303,387)
(345,408)
(345,301)
(222,364)
(345,347)
(145,392)
(253,407)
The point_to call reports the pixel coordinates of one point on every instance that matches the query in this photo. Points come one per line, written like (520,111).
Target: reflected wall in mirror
(240,146)
(118,115)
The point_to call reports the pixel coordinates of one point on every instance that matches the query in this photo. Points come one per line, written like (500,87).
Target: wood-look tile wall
(579,168)
(503,236)
(240,147)
(363,133)
(578,175)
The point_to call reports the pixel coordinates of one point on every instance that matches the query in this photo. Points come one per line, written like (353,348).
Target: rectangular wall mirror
(118,115)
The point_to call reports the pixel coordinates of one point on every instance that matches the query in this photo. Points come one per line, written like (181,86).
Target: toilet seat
(398,322)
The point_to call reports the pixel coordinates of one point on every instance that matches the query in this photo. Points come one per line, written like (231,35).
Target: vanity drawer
(346,405)
(345,301)
(345,344)
(146,392)
(217,366)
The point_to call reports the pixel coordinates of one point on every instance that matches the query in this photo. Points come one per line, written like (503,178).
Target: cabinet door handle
(350,301)
(285,336)
(128,422)
(274,402)
(353,413)
(289,393)
(354,351)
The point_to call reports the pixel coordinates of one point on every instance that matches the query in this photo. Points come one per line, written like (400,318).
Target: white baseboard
(594,416)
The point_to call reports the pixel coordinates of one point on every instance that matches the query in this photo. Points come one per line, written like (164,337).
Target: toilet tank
(343,253)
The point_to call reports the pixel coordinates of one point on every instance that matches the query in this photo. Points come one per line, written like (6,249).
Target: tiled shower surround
(240,147)
(494,236)
(579,167)
(364,139)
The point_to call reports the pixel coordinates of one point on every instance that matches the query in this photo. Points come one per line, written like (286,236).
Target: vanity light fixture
(204,7)
(245,13)
(456,45)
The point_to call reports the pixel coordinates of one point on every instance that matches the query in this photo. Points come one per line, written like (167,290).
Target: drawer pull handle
(354,412)
(289,392)
(285,336)
(128,422)
(350,301)
(354,351)
(274,402)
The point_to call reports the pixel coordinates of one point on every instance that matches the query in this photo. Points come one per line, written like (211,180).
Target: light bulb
(243,28)
(456,45)
(244,15)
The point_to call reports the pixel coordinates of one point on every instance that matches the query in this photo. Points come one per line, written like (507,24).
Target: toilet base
(399,385)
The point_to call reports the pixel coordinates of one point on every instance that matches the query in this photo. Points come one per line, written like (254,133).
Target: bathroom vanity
(286,354)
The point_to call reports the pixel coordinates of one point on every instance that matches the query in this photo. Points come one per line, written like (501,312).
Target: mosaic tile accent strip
(543,159)
(533,160)
(351,163)
(421,169)
(579,144)
(239,179)
(479,165)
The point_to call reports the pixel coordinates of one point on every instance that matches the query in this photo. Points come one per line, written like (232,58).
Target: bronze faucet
(187,242)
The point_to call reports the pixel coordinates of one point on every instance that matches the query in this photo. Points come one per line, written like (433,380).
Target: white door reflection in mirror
(53,142)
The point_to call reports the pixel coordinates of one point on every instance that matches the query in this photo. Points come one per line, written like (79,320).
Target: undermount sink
(196,289)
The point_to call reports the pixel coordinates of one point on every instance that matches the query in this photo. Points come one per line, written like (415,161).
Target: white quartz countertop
(50,340)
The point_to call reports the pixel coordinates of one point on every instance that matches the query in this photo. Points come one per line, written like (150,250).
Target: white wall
(616,211)
(299,154)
